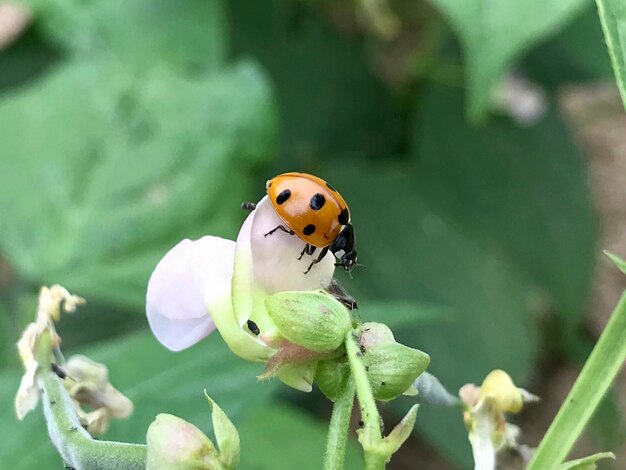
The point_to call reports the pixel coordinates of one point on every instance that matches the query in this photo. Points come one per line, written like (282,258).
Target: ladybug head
(343,248)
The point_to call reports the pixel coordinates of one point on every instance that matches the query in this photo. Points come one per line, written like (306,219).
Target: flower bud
(373,334)
(500,388)
(312,319)
(392,368)
(329,377)
(175,444)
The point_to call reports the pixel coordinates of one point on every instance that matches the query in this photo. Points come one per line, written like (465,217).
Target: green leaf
(586,463)
(412,252)
(576,54)
(613,16)
(28,57)
(619,262)
(331,106)
(495,34)
(156,380)
(523,189)
(402,313)
(301,439)
(599,371)
(188,35)
(125,169)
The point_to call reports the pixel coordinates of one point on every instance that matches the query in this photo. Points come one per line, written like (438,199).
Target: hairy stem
(603,364)
(370,435)
(74,444)
(338,429)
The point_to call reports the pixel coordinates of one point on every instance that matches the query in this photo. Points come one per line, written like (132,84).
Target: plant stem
(338,429)
(370,435)
(76,446)
(593,382)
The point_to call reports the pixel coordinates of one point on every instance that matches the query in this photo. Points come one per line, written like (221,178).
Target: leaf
(187,35)
(302,440)
(575,54)
(25,60)
(404,312)
(156,380)
(613,15)
(412,252)
(524,190)
(495,34)
(586,463)
(123,170)
(330,104)
(619,262)
(596,376)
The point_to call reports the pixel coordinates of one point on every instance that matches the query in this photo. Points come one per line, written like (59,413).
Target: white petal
(275,257)
(28,393)
(189,284)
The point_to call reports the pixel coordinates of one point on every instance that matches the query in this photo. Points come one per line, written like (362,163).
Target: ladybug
(314,211)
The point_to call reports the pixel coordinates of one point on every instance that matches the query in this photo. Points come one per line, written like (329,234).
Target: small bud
(392,368)
(329,377)
(373,334)
(499,386)
(175,444)
(311,319)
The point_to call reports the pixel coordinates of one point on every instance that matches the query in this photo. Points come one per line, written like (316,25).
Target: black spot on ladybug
(330,187)
(283,196)
(317,202)
(344,217)
(309,229)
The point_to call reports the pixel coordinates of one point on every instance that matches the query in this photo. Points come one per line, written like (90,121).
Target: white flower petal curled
(189,286)
(276,267)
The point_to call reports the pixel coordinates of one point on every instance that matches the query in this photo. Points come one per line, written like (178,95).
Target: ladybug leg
(318,259)
(248,206)
(304,250)
(281,228)
(308,249)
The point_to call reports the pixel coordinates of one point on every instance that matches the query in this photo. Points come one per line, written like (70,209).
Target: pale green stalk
(338,428)
(76,447)
(370,435)
(603,364)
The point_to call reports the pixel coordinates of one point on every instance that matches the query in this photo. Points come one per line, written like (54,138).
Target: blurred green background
(126,126)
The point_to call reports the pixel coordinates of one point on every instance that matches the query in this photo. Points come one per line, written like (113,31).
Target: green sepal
(226,436)
(330,376)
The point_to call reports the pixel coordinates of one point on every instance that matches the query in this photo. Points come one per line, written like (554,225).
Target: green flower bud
(392,368)
(175,444)
(312,319)
(373,334)
(330,376)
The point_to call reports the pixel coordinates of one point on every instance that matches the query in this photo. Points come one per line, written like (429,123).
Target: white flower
(51,300)
(216,283)
(484,415)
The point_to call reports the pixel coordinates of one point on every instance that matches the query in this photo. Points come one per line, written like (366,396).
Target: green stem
(370,435)
(603,364)
(338,429)
(76,446)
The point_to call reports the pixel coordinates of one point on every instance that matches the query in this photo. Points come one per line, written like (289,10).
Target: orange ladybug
(314,211)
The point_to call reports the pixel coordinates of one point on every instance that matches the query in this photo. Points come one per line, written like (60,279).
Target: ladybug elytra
(314,211)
